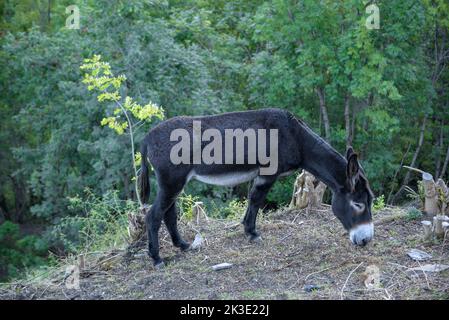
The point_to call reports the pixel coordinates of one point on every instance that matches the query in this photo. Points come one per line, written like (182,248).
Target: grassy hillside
(302,256)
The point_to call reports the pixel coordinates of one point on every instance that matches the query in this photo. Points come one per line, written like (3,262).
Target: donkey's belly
(225,179)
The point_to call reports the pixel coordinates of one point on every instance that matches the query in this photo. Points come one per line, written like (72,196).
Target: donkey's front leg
(257,195)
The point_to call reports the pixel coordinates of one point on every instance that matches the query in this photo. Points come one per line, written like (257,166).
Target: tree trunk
(126,191)
(323,110)
(3,214)
(49,13)
(446,161)
(431,193)
(20,199)
(348,128)
(440,143)
(308,192)
(354,113)
(414,159)
(390,195)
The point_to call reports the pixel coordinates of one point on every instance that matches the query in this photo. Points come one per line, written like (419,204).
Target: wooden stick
(347,279)
(414,169)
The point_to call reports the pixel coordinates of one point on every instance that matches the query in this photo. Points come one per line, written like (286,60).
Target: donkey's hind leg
(171,221)
(169,189)
(257,195)
(153,221)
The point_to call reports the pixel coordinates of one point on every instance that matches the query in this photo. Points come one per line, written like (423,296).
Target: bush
(186,202)
(101,223)
(215,208)
(413,214)
(379,203)
(281,192)
(17,253)
(234,209)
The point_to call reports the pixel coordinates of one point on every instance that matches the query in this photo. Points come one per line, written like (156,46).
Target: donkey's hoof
(255,238)
(159,265)
(185,246)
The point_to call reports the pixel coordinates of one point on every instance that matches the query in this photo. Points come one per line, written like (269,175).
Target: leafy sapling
(99,77)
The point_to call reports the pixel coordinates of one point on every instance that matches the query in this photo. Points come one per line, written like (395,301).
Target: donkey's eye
(357,206)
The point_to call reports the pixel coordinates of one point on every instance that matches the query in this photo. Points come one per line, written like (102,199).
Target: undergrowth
(101,223)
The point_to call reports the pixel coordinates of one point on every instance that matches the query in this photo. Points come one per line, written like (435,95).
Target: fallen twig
(347,279)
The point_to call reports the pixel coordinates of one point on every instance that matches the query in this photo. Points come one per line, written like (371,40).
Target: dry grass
(299,251)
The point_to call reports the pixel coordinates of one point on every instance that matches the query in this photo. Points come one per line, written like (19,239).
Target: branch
(131,135)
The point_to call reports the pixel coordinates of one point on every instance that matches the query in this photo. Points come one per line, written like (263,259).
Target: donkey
(297,147)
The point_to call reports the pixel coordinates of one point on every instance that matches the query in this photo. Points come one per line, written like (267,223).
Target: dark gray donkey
(232,148)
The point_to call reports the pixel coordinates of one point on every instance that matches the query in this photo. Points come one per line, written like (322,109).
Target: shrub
(17,253)
(100,224)
(234,209)
(186,202)
(418,195)
(413,214)
(379,203)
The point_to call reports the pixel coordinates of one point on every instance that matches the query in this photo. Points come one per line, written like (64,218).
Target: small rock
(431,268)
(222,266)
(311,287)
(418,255)
(372,277)
(197,243)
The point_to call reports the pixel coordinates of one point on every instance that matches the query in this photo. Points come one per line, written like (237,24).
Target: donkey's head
(352,203)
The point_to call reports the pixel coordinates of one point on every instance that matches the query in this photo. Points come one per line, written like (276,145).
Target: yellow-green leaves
(113,123)
(146,112)
(108,96)
(99,77)
(138,158)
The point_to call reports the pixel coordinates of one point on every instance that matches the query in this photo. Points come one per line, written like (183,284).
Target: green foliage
(379,203)
(55,126)
(98,76)
(101,226)
(186,202)
(418,195)
(18,252)
(216,208)
(235,209)
(413,214)
(281,192)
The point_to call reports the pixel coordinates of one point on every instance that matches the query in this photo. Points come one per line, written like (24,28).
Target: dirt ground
(302,256)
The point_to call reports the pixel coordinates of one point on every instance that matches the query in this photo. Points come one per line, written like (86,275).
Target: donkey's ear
(353,171)
(349,152)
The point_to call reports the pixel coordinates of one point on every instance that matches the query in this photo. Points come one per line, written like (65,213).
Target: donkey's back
(243,126)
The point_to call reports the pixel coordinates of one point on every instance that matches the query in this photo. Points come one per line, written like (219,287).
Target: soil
(303,255)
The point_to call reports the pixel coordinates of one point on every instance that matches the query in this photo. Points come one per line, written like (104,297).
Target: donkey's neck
(322,160)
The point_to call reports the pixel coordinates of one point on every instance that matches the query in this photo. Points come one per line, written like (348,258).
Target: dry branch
(199,213)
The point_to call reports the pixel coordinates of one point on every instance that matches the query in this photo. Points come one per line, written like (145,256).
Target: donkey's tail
(144,174)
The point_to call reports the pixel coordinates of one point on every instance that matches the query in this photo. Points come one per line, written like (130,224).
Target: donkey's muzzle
(362,234)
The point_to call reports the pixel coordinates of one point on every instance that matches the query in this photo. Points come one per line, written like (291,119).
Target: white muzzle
(362,234)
